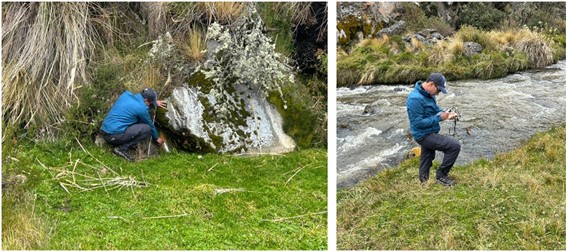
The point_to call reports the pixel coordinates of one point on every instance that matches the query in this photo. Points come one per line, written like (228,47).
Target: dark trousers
(133,135)
(429,144)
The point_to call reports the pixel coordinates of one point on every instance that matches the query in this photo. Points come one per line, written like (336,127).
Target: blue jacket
(128,110)
(423,112)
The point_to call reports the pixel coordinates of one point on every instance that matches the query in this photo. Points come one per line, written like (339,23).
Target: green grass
(283,204)
(515,201)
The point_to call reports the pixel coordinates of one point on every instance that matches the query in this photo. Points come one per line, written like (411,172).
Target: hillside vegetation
(64,63)
(515,201)
(508,45)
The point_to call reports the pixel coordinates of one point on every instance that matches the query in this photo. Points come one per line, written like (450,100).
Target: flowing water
(496,116)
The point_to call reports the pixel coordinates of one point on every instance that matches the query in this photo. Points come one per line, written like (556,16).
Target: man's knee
(145,129)
(456,146)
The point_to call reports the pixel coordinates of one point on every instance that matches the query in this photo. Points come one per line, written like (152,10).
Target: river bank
(392,43)
(497,115)
(515,201)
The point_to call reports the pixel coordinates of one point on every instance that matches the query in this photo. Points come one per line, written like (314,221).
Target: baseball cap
(439,80)
(150,95)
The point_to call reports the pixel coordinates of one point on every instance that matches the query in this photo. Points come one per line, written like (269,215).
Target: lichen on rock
(222,105)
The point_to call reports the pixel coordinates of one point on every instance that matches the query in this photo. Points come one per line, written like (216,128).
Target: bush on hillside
(479,14)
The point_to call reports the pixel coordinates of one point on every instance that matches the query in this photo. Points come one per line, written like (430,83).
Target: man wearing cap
(424,116)
(129,121)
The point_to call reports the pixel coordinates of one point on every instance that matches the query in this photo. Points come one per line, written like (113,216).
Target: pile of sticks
(86,177)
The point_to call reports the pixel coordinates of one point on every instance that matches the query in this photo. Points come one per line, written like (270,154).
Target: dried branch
(210,169)
(166,216)
(298,170)
(227,190)
(293,217)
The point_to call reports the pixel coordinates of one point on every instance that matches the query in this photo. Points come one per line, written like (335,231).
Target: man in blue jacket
(424,116)
(129,121)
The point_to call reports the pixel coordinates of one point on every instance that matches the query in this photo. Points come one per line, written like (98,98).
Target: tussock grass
(456,47)
(438,53)
(195,44)
(536,46)
(503,52)
(223,12)
(516,201)
(46,49)
(416,45)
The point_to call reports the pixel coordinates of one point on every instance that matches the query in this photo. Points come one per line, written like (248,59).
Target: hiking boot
(122,153)
(423,179)
(445,180)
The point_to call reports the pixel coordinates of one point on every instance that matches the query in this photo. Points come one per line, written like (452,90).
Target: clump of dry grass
(536,46)
(376,44)
(22,228)
(156,16)
(223,12)
(456,47)
(439,53)
(368,77)
(196,44)
(468,33)
(46,51)
(416,45)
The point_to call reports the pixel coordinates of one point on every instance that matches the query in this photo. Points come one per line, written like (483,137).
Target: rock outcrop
(254,127)
(222,106)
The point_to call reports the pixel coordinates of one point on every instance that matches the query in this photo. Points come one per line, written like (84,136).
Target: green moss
(181,184)
(198,80)
(351,26)
(280,27)
(216,139)
(299,121)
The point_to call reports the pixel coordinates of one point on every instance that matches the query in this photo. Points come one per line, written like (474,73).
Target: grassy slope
(516,201)
(271,214)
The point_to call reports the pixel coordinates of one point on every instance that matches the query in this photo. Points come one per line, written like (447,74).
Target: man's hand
(448,116)
(451,115)
(160,141)
(162,103)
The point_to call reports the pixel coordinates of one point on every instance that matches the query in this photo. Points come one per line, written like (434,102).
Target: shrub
(85,119)
(441,26)
(414,17)
(245,59)
(479,14)
(279,26)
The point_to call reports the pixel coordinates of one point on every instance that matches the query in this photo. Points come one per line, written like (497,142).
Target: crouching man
(129,123)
